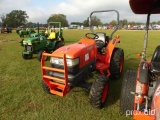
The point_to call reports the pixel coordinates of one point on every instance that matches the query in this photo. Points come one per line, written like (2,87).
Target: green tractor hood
(30,41)
(32,38)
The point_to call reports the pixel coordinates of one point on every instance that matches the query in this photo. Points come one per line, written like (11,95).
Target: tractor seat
(101,41)
(155,62)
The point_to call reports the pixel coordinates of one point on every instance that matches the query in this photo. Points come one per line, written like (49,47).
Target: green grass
(21,94)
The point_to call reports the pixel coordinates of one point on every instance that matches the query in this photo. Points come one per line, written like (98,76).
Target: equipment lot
(21,93)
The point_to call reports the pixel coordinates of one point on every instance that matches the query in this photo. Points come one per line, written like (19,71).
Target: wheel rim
(121,65)
(105,91)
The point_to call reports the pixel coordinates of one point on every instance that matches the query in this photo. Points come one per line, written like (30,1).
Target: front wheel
(27,56)
(99,91)
(45,87)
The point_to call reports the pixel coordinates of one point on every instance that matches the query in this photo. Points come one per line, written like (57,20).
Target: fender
(109,50)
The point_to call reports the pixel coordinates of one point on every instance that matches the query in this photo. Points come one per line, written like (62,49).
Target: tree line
(17,18)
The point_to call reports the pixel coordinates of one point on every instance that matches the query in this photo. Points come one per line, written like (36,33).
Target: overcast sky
(75,10)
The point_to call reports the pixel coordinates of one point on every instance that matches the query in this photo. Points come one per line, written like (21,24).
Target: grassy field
(21,94)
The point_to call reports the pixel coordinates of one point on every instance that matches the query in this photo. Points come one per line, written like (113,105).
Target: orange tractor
(140,94)
(71,65)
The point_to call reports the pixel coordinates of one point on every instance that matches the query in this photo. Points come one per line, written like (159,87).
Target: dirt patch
(6,41)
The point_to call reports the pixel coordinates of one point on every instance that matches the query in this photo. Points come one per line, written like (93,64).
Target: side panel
(40,46)
(89,52)
(141,88)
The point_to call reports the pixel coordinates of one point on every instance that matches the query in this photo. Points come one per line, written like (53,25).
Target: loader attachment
(57,86)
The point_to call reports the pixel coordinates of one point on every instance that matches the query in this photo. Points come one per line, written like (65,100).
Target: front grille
(71,70)
(29,48)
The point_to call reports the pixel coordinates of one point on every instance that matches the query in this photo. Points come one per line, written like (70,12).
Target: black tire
(116,63)
(98,92)
(27,56)
(45,87)
(58,45)
(128,85)
(39,55)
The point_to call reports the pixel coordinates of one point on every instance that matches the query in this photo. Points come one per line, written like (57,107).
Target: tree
(132,23)
(95,21)
(29,24)
(113,22)
(76,23)
(85,23)
(58,18)
(15,18)
(3,17)
(123,22)
(158,22)
(154,23)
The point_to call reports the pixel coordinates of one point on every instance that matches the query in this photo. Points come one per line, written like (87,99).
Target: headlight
(27,43)
(59,61)
(24,43)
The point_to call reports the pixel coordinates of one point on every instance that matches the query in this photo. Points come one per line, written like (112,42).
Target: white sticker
(86,57)
(158,91)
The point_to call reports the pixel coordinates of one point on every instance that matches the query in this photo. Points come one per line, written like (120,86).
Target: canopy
(145,6)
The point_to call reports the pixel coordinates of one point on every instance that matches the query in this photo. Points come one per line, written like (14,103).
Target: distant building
(73,26)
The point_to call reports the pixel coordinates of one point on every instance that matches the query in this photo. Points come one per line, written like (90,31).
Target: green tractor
(37,43)
(25,32)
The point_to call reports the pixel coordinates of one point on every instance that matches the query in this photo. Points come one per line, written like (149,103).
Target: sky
(75,10)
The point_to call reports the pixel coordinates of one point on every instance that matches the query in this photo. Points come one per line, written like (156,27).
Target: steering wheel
(92,36)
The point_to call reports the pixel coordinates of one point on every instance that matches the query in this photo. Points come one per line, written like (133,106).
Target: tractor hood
(33,39)
(30,41)
(76,49)
(85,50)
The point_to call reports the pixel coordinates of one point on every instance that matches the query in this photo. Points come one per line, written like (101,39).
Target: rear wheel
(39,56)
(128,85)
(99,91)
(27,56)
(116,64)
